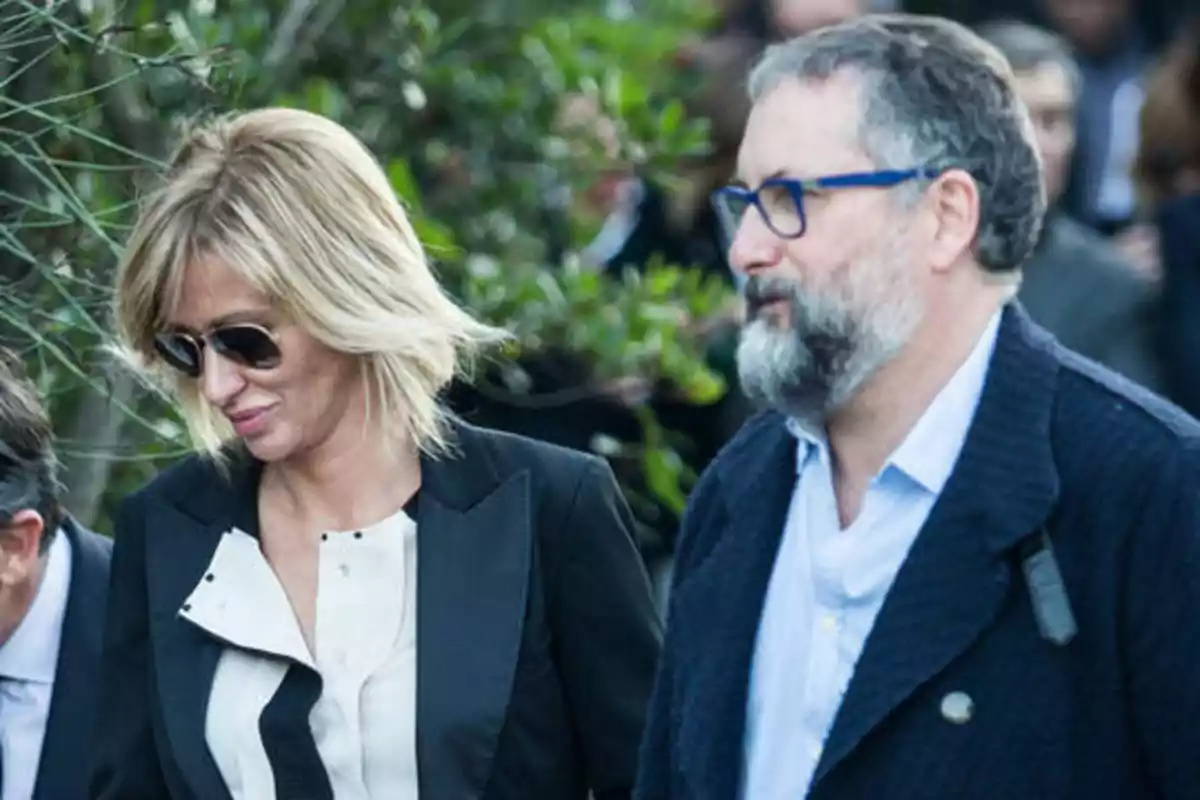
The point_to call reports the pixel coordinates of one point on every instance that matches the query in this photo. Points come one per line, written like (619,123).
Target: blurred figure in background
(1168,175)
(1112,53)
(796,17)
(1075,284)
(1112,50)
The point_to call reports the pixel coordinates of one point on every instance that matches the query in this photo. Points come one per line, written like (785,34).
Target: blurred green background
(463,103)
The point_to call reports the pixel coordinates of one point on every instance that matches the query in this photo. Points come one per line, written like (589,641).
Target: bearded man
(952,559)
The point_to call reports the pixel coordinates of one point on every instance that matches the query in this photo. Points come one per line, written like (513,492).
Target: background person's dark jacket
(1076,286)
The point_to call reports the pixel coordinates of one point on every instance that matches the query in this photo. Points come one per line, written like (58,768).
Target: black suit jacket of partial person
(73,701)
(537,635)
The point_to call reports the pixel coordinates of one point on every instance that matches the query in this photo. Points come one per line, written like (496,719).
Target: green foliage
(461,102)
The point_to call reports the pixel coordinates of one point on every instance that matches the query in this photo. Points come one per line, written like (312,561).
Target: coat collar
(71,711)
(1001,490)
(474,551)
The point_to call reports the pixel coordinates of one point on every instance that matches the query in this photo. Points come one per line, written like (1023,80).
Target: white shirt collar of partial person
(28,663)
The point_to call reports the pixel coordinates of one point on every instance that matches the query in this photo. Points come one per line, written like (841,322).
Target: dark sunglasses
(246,344)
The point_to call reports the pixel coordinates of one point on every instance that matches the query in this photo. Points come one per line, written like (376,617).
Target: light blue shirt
(828,584)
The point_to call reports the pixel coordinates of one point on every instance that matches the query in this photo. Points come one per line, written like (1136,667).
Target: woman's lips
(250,423)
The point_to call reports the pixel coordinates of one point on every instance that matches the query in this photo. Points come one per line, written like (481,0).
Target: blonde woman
(347,594)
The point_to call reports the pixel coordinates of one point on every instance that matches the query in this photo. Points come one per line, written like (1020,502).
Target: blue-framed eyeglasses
(780,201)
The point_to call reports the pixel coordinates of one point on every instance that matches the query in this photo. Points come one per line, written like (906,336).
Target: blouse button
(344,569)
(358,534)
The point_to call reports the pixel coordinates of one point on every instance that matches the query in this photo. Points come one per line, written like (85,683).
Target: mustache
(763,289)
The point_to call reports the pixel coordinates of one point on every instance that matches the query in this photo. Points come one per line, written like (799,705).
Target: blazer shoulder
(1117,442)
(182,478)
(510,453)
(705,502)
(1090,395)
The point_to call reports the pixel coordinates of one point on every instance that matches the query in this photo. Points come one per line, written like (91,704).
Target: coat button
(957,707)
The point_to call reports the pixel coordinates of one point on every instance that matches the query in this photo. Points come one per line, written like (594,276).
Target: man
(1114,50)
(53,584)
(794,17)
(954,559)
(1075,284)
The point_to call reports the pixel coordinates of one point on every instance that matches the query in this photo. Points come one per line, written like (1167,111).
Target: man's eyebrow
(779,173)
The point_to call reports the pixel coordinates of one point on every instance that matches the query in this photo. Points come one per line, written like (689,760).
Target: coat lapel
(186,534)
(70,718)
(474,557)
(721,601)
(956,576)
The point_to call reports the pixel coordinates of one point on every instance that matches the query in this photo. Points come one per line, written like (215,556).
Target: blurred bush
(461,102)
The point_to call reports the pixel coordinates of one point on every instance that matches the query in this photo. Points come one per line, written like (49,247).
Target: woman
(347,594)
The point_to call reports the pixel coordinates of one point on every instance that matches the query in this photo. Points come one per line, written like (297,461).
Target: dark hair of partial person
(1028,47)
(935,96)
(1169,136)
(28,468)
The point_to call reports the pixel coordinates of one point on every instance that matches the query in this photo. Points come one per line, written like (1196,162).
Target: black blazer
(1108,469)
(537,634)
(73,702)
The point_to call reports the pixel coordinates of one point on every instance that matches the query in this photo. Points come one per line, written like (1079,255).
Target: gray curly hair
(934,95)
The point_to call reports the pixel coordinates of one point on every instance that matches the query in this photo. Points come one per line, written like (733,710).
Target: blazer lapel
(956,576)
(187,532)
(719,604)
(70,718)
(474,558)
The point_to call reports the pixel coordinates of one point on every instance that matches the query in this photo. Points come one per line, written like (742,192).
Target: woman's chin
(269,447)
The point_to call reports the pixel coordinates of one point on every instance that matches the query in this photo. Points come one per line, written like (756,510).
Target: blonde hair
(302,211)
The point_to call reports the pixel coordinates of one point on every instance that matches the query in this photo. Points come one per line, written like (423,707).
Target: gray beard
(832,346)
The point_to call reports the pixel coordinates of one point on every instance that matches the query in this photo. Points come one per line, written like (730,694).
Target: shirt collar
(929,451)
(31,653)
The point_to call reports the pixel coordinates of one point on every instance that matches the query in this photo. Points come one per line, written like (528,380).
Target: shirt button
(829,622)
(344,569)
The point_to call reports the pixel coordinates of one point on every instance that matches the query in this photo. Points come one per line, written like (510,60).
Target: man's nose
(221,379)
(755,247)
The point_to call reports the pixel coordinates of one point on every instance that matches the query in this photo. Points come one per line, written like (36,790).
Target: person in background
(1168,175)
(1113,50)
(347,592)
(951,558)
(53,584)
(1075,284)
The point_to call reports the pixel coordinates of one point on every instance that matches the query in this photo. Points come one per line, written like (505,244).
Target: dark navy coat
(1111,472)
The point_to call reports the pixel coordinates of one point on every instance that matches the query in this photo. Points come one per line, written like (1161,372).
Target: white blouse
(364,721)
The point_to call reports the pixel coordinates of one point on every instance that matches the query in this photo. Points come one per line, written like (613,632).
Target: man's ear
(955,204)
(20,545)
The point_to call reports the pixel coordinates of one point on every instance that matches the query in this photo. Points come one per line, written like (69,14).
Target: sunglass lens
(180,351)
(250,346)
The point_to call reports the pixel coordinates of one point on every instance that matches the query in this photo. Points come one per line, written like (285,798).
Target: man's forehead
(801,129)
